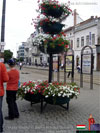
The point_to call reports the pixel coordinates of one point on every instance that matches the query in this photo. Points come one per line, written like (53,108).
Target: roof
(88,20)
(69,29)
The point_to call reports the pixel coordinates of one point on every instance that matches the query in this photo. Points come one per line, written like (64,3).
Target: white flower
(53,95)
(59,94)
(46,96)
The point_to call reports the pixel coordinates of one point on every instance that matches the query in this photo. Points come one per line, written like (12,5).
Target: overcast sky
(19,14)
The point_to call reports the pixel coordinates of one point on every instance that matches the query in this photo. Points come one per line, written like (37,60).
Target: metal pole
(58,69)
(81,74)
(50,67)
(91,76)
(65,68)
(3,21)
(72,73)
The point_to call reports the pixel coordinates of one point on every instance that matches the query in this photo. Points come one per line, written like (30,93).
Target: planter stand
(38,98)
(59,102)
(43,105)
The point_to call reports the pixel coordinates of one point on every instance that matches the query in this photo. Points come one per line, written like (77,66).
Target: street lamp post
(3,21)
(2,29)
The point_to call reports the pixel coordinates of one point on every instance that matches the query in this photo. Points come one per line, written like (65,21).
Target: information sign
(86,64)
(68,63)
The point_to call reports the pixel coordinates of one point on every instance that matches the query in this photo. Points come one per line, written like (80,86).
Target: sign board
(69,52)
(86,64)
(55,63)
(1,59)
(69,63)
(2,43)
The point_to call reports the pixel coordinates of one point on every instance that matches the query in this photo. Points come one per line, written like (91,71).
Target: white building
(21,52)
(85,33)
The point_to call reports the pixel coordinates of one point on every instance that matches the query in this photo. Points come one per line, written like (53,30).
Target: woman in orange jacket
(3,78)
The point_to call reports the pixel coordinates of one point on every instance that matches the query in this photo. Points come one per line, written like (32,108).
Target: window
(82,41)
(93,39)
(77,42)
(87,40)
(71,44)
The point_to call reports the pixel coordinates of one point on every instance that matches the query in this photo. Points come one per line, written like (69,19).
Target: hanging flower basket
(51,11)
(57,100)
(51,49)
(54,9)
(51,27)
(54,45)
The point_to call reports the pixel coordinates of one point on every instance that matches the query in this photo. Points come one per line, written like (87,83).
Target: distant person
(62,66)
(69,73)
(3,78)
(11,90)
(78,68)
(20,64)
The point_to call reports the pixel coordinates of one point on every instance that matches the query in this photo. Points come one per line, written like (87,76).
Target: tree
(7,55)
(21,59)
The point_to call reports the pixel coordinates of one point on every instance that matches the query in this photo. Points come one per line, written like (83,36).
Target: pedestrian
(11,90)
(3,78)
(20,64)
(68,74)
(78,68)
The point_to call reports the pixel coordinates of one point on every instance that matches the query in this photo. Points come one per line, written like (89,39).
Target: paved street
(54,119)
(86,78)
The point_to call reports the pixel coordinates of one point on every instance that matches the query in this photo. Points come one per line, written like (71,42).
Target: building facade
(21,52)
(82,34)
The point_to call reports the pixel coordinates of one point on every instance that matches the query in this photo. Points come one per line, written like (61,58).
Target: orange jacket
(3,78)
(12,83)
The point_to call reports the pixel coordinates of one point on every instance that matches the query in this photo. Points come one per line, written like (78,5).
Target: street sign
(2,43)
(69,63)
(86,64)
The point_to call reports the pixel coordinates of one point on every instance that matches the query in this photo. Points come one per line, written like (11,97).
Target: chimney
(92,17)
(75,15)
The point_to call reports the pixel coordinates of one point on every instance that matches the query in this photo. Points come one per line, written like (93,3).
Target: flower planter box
(57,100)
(52,27)
(33,97)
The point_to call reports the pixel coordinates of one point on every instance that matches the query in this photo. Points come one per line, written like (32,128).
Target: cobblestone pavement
(54,119)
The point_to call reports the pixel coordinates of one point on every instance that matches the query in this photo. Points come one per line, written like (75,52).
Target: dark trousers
(68,74)
(1,115)
(12,106)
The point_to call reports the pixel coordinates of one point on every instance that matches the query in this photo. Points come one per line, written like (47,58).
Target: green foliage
(21,59)
(7,55)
